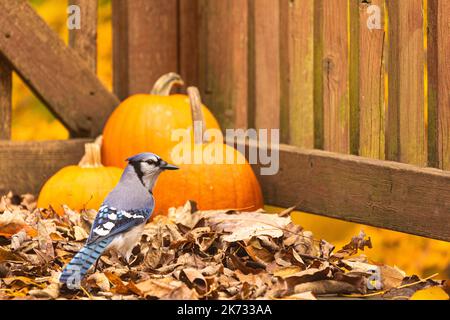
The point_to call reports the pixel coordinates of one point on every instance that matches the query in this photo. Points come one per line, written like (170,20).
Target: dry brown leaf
(166,289)
(391,277)
(358,242)
(121,287)
(286,272)
(100,280)
(323,287)
(12,223)
(244,226)
(79,233)
(258,253)
(306,276)
(300,296)
(50,292)
(196,279)
(6,255)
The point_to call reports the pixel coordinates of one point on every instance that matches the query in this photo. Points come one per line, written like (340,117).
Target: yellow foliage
(433,293)
(31,119)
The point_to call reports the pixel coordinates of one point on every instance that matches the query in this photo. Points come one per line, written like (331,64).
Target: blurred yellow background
(32,121)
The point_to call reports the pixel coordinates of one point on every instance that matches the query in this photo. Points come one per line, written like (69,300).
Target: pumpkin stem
(197,114)
(164,85)
(92,156)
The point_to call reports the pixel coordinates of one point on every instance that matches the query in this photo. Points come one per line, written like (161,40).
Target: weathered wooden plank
(318,76)
(223,55)
(371,80)
(384,194)
(439,83)
(354,92)
(336,107)
(188,41)
(406,138)
(145,44)
(84,40)
(5,99)
(55,73)
(297,95)
(267,64)
(25,166)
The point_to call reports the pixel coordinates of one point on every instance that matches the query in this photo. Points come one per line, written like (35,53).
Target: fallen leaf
(358,242)
(286,272)
(6,255)
(300,296)
(391,277)
(323,287)
(196,279)
(121,287)
(50,292)
(100,280)
(80,233)
(244,226)
(11,223)
(166,289)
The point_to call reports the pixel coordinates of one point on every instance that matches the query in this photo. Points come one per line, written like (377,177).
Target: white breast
(125,242)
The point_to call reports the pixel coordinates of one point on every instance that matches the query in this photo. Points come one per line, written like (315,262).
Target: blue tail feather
(77,268)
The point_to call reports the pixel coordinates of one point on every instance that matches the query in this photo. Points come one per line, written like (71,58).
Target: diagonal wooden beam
(57,74)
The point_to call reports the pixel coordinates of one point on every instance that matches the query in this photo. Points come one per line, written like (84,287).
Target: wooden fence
(312,68)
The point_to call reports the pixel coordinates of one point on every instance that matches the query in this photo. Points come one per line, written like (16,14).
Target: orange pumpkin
(145,122)
(84,186)
(207,179)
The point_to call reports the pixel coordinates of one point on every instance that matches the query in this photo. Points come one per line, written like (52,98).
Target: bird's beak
(167,166)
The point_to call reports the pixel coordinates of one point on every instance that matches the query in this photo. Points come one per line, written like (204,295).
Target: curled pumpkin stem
(164,85)
(198,119)
(92,157)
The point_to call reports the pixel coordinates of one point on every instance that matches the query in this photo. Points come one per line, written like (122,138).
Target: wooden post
(439,83)
(318,76)
(84,40)
(5,99)
(370,79)
(297,67)
(267,63)
(336,107)
(354,64)
(406,138)
(223,65)
(144,44)
(189,41)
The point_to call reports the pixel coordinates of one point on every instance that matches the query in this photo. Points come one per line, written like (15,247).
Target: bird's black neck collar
(140,174)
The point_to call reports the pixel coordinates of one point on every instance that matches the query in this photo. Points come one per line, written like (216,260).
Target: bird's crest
(145,156)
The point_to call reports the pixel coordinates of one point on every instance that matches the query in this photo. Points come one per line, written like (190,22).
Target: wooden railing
(312,68)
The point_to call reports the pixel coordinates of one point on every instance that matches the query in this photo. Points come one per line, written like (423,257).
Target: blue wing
(110,221)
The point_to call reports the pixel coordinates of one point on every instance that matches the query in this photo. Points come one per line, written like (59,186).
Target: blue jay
(121,218)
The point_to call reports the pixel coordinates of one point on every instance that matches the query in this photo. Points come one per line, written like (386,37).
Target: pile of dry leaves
(191,255)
